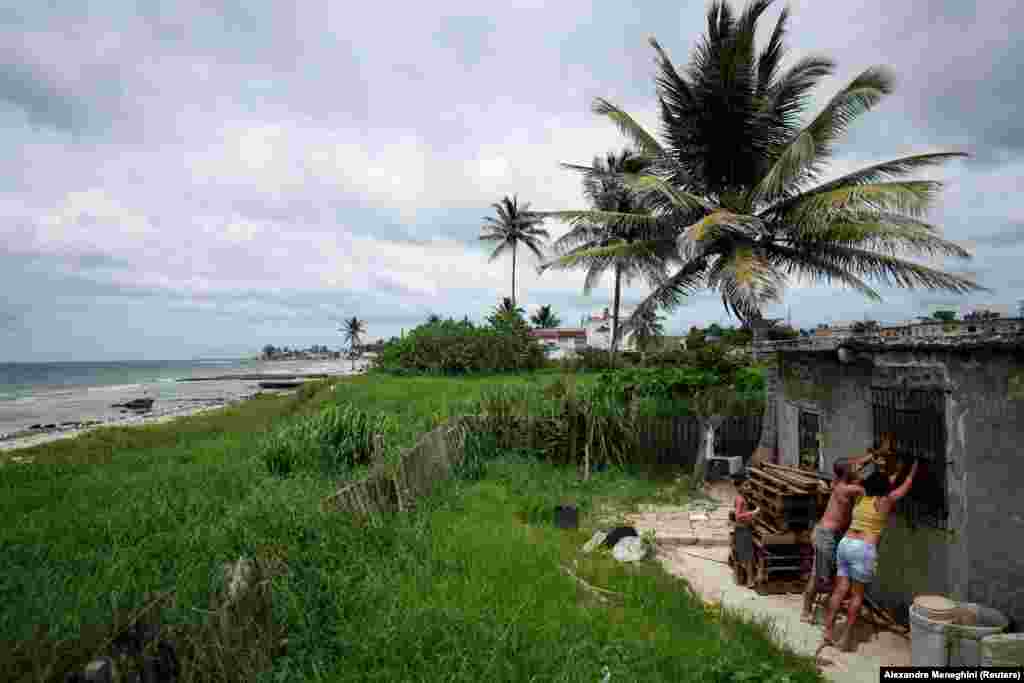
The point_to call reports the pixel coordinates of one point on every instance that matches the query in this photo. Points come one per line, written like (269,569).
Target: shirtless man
(830,529)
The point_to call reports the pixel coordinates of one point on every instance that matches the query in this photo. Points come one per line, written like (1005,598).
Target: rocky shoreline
(43,433)
(33,421)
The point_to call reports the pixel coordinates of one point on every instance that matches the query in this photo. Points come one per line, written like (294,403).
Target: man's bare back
(840,506)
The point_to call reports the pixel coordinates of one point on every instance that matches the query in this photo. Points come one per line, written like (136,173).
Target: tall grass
(333,442)
(468,587)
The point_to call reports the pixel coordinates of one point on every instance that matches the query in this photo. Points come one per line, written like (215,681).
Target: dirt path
(703,563)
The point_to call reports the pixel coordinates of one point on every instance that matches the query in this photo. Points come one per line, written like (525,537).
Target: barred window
(809,436)
(916,419)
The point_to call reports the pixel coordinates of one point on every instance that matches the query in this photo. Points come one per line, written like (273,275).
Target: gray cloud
(1010,236)
(179,178)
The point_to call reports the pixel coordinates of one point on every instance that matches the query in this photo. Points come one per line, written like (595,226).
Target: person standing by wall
(743,534)
(827,532)
(858,551)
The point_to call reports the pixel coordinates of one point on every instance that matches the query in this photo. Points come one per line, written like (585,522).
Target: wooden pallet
(793,562)
(780,587)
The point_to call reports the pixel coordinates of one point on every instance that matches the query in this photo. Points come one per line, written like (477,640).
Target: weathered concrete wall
(767,447)
(989,430)
(975,559)
(839,393)
(912,562)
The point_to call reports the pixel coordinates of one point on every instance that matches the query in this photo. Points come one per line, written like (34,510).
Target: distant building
(933,329)
(837,329)
(561,342)
(598,328)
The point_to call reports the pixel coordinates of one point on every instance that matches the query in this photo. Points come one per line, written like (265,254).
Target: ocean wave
(118,387)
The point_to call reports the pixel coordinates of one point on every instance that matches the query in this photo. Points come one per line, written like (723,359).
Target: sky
(195,179)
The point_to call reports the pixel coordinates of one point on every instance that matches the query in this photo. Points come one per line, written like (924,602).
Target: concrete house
(598,327)
(957,402)
(561,342)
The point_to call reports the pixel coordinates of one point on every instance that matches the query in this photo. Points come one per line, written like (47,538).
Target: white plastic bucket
(927,639)
(957,644)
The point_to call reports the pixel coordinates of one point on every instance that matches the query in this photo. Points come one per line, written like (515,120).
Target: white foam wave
(118,387)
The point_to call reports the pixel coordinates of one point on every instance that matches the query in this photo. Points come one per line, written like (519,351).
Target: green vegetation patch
(1015,391)
(472,586)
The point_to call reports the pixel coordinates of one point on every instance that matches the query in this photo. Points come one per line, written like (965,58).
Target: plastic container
(945,643)
(965,641)
(567,517)
(1003,649)
(937,608)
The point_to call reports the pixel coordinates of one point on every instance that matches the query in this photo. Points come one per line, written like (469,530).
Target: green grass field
(469,587)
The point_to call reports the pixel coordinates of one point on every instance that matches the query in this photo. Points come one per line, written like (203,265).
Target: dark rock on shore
(136,404)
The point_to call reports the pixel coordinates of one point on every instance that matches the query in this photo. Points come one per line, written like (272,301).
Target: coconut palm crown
(515,224)
(736,178)
(606,243)
(545,318)
(354,329)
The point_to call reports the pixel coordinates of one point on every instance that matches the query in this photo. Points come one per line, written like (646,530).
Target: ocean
(25,380)
(62,394)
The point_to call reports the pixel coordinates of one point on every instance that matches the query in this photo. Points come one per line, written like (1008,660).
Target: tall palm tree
(545,318)
(515,224)
(354,329)
(645,329)
(599,245)
(736,178)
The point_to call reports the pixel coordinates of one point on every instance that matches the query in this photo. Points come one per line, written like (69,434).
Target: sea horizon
(42,393)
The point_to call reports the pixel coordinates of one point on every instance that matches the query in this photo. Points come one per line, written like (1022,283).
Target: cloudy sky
(180,180)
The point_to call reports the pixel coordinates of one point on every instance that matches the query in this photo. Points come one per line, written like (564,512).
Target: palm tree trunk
(515,246)
(615,314)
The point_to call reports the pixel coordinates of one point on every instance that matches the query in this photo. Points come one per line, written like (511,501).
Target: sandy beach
(60,415)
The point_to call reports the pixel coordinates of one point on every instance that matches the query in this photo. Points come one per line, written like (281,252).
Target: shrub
(332,442)
(449,347)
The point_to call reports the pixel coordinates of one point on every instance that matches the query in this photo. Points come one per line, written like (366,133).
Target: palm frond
(499,251)
(596,269)
(787,97)
(669,79)
(747,280)
(887,170)
(580,234)
(770,57)
(619,249)
(598,217)
(890,233)
(644,141)
(534,246)
(672,291)
(889,270)
(678,198)
(803,156)
(715,226)
(911,197)
(809,265)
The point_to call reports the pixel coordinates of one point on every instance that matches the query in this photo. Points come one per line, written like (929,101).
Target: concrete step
(702,541)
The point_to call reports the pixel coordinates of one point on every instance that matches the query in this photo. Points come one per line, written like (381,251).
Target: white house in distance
(595,333)
(598,328)
(561,342)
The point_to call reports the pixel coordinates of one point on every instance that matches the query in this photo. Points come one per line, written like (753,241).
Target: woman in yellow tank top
(858,550)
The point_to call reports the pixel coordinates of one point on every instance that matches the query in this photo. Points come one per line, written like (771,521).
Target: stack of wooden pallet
(790,501)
